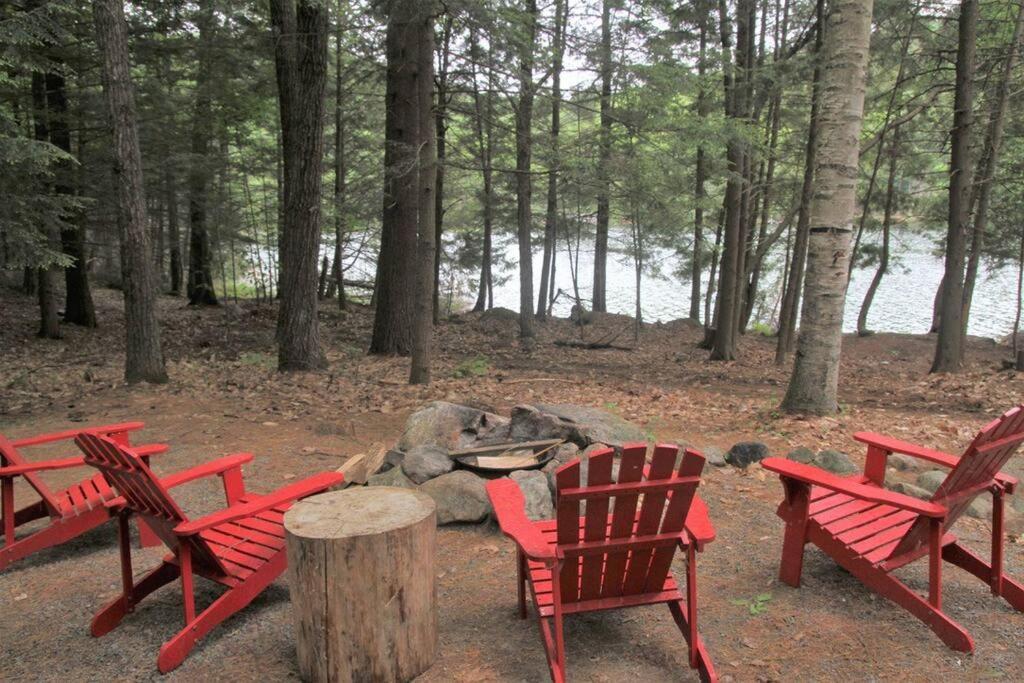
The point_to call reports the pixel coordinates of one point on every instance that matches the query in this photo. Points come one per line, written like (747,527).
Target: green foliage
(473,367)
(756,605)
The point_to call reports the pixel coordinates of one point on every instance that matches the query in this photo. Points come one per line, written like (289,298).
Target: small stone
(910,490)
(745,453)
(835,462)
(423,463)
(931,480)
(393,458)
(802,455)
(393,477)
(566,452)
(534,485)
(903,463)
(461,496)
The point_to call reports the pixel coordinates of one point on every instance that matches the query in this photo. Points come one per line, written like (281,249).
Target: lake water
(903,302)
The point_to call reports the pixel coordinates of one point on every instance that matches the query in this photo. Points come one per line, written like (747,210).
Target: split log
(361,576)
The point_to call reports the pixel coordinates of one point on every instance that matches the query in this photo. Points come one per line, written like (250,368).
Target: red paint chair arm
(812,475)
(207,469)
(287,494)
(698,523)
(510,509)
(891,445)
(72,433)
(145,450)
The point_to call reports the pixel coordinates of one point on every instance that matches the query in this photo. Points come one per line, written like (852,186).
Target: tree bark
(949,345)
(700,176)
(300,34)
(599,302)
(429,201)
(408,128)
(547,273)
(814,384)
(883,259)
(200,277)
(49,318)
(524,181)
(340,167)
(794,289)
(441,125)
(483,115)
(78,306)
(144,360)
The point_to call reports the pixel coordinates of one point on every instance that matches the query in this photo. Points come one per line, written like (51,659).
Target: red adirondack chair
(240,547)
(72,510)
(601,561)
(871,531)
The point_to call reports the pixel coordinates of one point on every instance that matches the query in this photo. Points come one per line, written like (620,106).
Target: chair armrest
(807,474)
(207,469)
(698,523)
(891,445)
(67,463)
(72,433)
(286,494)
(510,509)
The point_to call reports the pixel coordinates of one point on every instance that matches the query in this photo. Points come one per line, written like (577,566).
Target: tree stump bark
(361,576)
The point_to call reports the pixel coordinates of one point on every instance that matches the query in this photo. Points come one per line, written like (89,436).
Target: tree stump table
(361,577)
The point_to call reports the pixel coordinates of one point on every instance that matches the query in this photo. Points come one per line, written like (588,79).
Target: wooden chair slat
(567,514)
(599,473)
(651,511)
(631,469)
(675,513)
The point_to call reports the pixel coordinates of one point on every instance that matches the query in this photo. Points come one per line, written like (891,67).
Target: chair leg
(951,633)
(700,659)
(175,650)
(796,511)
(1010,590)
(107,619)
(521,582)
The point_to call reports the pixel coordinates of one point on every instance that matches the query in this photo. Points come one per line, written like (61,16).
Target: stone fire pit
(422,457)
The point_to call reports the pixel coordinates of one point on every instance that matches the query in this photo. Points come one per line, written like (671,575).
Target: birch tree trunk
(814,384)
(144,361)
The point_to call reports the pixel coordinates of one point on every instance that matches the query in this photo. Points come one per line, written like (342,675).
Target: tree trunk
(78,307)
(547,273)
(144,359)
(200,277)
(883,259)
(441,125)
(987,169)
(794,289)
(427,174)
(340,167)
(483,113)
(300,34)
(600,303)
(700,173)
(949,345)
(49,318)
(173,233)
(814,384)
(405,133)
(524,181)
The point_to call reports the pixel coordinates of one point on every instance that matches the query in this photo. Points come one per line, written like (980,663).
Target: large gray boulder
(534,485)
(910,490)
(447,425)
(802,455)
(531,424)
(593,425)
(715,456)
(835,462)
(931,480)
(746,453)
(460,496)
(423,463)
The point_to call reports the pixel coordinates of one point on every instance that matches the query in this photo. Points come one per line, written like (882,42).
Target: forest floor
(225,396)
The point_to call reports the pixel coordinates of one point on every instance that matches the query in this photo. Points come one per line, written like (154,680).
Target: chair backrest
(986,455)
(144,495)
(9,457)
(626,552)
